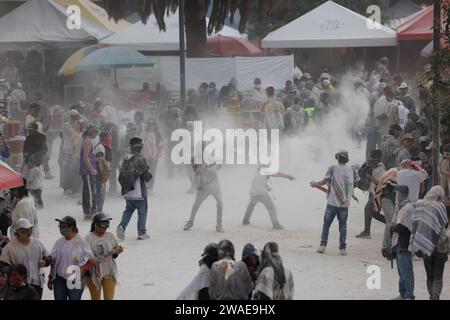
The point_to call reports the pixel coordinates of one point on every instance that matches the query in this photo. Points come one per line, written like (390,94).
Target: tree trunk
(195,31)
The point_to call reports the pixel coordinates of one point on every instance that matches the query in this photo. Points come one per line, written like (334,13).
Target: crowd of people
(114,138)
(258,276)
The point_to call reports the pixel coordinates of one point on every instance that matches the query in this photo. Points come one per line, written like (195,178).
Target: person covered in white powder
(197,289)
(259,193)
(207,184)
(341,179)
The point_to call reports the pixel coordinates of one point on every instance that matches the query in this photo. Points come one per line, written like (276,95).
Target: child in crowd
(33,175)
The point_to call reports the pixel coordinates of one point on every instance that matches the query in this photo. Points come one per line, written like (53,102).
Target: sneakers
(88,217)
(364,235)
(48,176)
(278,227)
(398,298)
(143,237)
(120,232)
(219,228)
(343,252)
(321,249)
(245,223)
(188,225)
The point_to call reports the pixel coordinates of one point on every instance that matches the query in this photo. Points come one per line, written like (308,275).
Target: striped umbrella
(9,178)
(68,67)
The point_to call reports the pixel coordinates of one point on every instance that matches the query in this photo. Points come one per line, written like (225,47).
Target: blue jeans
(330,213)
(61,292)
(141,207)
(406,274)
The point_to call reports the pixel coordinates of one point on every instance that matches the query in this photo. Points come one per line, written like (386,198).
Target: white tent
(148,37)
(42,24)
(330,26)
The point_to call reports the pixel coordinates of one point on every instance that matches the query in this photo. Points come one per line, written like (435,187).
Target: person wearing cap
(198,288)
(29,251)
(390,146)
(88,170)
(405,98)
(133,178)
(275,280)
(25,208)
(296,118)
(404,152)
(340,179)
(106,249)
(71,254)
(229,280)
(323,85)
(259,193)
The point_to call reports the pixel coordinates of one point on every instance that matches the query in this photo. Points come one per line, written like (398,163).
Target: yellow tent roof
(94,13)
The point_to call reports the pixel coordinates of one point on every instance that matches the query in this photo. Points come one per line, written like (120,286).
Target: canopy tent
(399,13)
(95,14)
(420,27)
(42,24)
(147,37)
(330,25)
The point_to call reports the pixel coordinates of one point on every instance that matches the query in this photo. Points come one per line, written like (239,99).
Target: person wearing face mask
(29,251)
(69,253)
(88,170)
(134,174)
(103,275)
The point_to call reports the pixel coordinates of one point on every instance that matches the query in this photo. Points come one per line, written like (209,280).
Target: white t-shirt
(412,179)
(102,248)
(259,185)
(28,255)
(66,253)
(125,117)
(342,178)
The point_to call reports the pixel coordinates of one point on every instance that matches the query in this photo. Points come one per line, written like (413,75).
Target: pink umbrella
(9,178)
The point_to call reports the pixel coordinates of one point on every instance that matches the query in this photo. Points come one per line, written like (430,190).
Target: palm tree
(195,16)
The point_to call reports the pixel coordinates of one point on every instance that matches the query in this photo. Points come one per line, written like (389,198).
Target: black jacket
(404,236)
(132,169)
(36,144)
(25,292)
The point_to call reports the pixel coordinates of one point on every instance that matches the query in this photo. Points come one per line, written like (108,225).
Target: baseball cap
(68,220)
(404,85)
(427,68)
(325,76)
(407,136)
(23,223)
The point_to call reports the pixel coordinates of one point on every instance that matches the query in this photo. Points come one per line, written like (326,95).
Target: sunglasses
(103,225)
(27,232)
